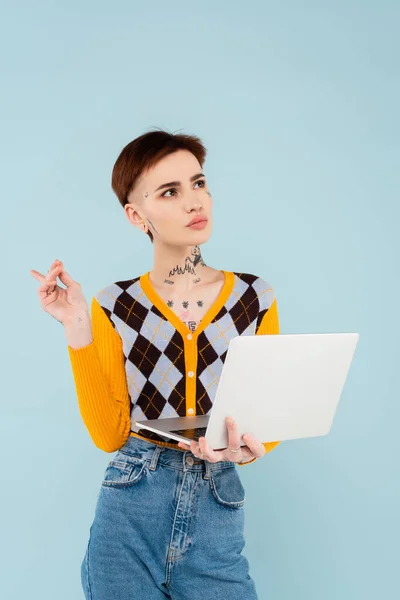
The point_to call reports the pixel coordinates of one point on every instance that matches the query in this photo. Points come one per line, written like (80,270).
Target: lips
(197,220)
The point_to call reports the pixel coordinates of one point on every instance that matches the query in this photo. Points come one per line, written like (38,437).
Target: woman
(169,516)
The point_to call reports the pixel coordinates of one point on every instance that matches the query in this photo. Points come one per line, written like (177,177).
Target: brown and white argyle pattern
(154,350)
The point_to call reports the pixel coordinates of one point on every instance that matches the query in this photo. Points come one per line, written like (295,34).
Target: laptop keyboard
(194,433)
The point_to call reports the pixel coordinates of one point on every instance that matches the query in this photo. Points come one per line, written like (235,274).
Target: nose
(193,206)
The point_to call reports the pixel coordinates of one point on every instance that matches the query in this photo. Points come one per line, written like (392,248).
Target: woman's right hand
(61,303)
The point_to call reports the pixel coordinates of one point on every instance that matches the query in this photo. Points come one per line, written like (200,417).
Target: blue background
(297,103)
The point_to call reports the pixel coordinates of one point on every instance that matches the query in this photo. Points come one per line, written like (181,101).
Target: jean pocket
(124,471)
(227,488)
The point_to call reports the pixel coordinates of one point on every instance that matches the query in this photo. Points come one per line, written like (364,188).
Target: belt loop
(154,458)
(208,469)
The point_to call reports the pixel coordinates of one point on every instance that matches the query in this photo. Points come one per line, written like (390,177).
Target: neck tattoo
(191,263)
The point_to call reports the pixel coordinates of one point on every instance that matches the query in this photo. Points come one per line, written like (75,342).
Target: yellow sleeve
(269,325)
(101,386)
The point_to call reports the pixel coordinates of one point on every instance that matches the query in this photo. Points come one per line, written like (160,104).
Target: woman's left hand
(253,449)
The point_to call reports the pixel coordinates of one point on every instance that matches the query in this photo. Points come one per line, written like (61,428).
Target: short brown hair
(144,152)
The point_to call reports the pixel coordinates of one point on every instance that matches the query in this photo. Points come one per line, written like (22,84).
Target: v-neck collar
(173,318)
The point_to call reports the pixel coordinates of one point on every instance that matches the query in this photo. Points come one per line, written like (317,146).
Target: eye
(202,181)
(170,190)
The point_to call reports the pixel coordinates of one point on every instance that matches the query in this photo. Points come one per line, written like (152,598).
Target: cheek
(162,215)
(166,221)
(208,198)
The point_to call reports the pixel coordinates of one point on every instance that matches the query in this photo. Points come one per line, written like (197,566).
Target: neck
(178,267)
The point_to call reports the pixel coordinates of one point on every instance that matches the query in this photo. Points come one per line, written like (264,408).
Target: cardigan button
(190,374)
(190,411)
(189,336)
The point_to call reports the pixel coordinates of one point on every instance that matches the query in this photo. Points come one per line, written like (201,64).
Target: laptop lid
(281,387)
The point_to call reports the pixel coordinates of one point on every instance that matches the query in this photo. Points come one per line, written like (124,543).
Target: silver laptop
(276,387)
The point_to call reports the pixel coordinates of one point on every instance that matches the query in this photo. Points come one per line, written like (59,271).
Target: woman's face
(168,197)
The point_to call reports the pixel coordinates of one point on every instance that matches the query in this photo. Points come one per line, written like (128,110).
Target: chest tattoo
(185,303)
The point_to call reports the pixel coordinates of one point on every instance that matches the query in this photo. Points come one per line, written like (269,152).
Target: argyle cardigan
(145,363)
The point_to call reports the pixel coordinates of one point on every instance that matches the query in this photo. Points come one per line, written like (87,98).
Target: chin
(199,237)
(192,238)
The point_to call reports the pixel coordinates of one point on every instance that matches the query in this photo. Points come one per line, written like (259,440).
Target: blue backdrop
(297,103)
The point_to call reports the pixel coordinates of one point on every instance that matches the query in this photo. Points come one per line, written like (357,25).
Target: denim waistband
(180,459)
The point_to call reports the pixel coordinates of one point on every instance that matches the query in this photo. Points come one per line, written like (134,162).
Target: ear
(135,217)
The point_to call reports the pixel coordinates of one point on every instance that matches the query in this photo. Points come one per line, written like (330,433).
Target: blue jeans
(167,525)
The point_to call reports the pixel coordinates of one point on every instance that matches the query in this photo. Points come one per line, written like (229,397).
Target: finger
(47,285)
(53,273)
(254,445)
(233,435)
(212,455)
(194,448)
(35,273)
(50,280)
(65,277)
(191,448)
(55,263)
(43,278)
(50,284)
(208,452)
(47,289)
(184,446)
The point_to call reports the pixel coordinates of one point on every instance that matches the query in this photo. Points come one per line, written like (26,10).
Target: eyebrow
(178,183)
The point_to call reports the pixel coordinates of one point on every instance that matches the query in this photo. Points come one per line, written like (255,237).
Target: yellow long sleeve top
(145,363)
